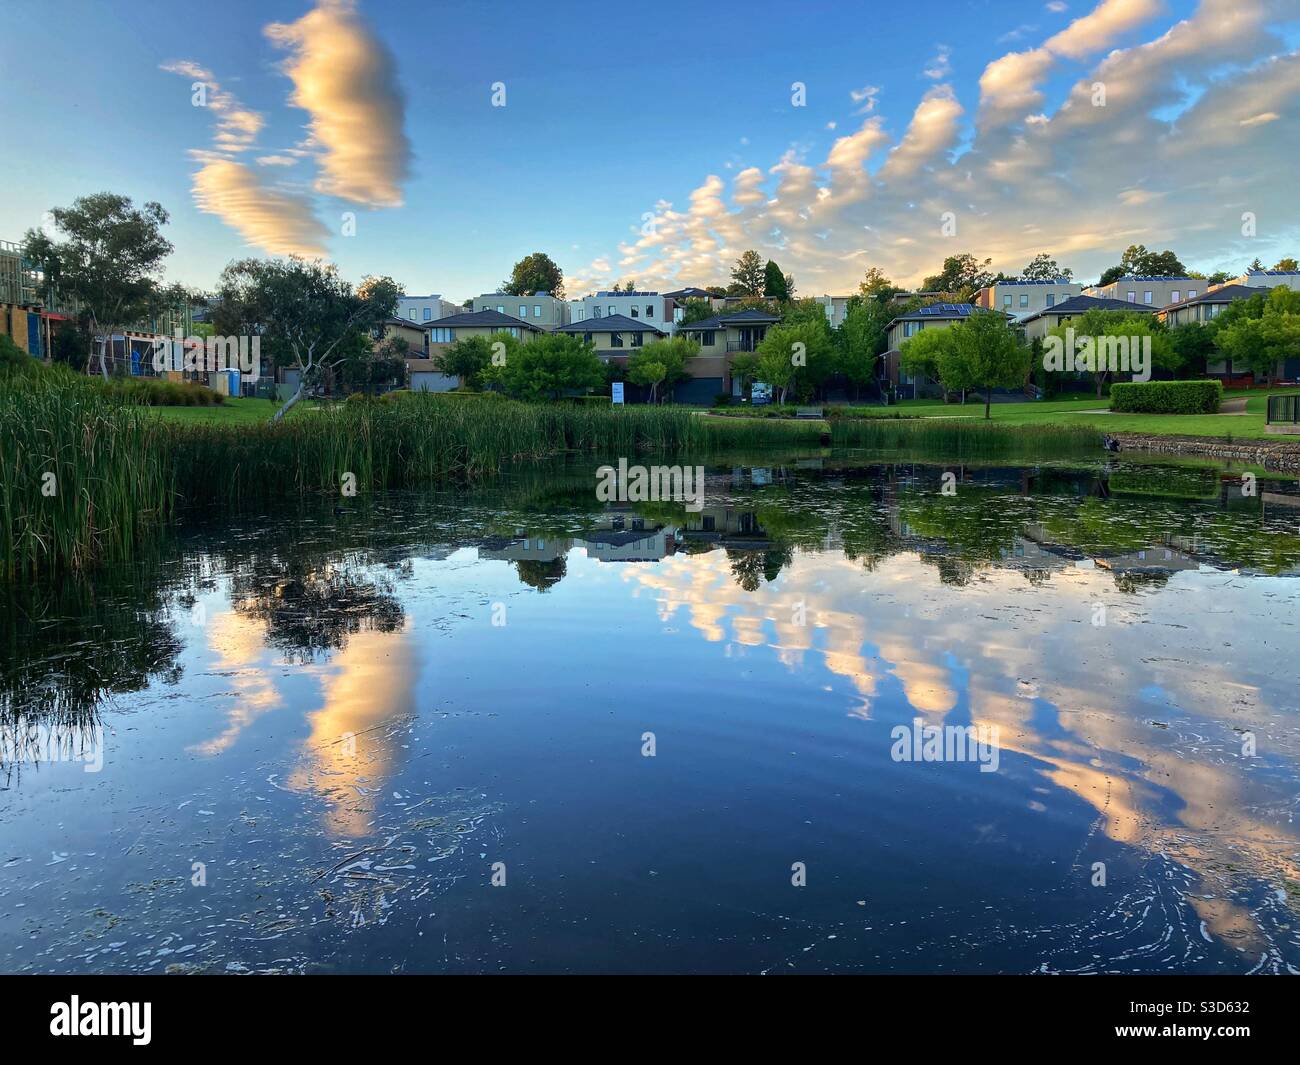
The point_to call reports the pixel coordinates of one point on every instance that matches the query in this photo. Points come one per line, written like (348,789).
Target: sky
(438,143)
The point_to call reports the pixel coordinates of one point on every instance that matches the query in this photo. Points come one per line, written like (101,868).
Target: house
(423,375)
(1150,291)
(640,306)
(424,308)
(416,336)
(540,309)
(721,338)
(1206,306)
(681,295)
(1023,298)
(615,336)
(1038,325)
(1270,278)
(443,332)
(836,308)
(906,326)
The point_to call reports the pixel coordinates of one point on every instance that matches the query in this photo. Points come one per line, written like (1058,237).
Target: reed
(963,439)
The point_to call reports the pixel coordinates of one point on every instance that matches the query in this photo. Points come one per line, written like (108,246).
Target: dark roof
(752,316)
(1079,304)
(938,310)
(481,319)
(398,320)
(688,293)
(611,323)
(1022,281)
(1222,294)
(605,294)
(1148,277)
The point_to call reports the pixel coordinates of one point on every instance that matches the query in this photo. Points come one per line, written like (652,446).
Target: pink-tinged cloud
(276,220)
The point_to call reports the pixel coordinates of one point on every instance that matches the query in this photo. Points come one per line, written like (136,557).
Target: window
(1024,299)
(537,310)
(523,311)
(595,312)
(1006,300)
(638,339)
(613,309)
(615,340)
(707,339)
(428,314)
(1051,299)
(649,310)
(1173,295)
(1191,293)
(513,331)
(1132,297)
(411,313)
(442,335)
(1146,296)
(500,309)
(633,312)
(586,338)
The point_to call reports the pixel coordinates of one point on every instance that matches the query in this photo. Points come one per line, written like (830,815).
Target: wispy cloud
(939,67)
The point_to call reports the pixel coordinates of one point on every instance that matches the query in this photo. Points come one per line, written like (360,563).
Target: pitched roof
(688,293)
(1079,304)
(611,323)
(1222,294)
(752,316)
(937,310)
(480,319)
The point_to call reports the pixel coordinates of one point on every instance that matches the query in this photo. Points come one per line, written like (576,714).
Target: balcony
(741,345)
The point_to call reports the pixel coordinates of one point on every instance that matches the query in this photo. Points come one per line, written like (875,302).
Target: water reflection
(1124,626)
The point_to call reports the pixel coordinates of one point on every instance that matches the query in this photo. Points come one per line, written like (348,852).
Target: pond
(835,712)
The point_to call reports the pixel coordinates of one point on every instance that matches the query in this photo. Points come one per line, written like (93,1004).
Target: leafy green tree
(109,259)
(310,318)
(1043,267)
(920,353)
(774,282)
(745,369)
(875,284)
(749,275)
(1193,347)
(962,275)
(467,359)
(796,356)
(1287,265)
(550,365)
(863,337)
(1259,343)
(1132,324)
(535,273)
(983,352)
(661,362)
(1137,261)
(696,309)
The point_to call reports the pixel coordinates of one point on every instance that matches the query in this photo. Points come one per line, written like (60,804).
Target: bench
(808,412)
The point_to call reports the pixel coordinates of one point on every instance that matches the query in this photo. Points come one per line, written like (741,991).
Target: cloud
(345,79)
(866,96)
(939,67)
(1199,124)
(237,126)
(277,220)
(1056,6)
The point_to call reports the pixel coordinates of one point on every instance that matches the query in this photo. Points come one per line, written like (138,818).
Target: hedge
(1166,397)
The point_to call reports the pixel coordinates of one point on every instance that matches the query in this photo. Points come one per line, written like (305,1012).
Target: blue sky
(613,111)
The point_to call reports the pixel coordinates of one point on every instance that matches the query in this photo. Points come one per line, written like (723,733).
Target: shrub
(1166,397)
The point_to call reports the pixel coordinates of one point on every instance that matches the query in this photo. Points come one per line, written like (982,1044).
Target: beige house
(1153,292)
(1037,326)
(906,326)
(540,309)
(1206,306)
(446,331)
(1269,278)
(415,335)
(1020,299)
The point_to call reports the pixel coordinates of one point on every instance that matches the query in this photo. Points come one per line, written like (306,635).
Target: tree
(661,362)
(1287,265)
(309,318)
(748,275)
(109,259)
(796,356)
(983,352)
(774,282)
(467,359)
(1134,325)
(962,275)
(1218,277)
(875,285)
(535,273)
(1137,261)
(1260,342)
(919,354)
(744,368)
(696,309)
(863,336)
(549,365)
(1044,268)
(1192,345)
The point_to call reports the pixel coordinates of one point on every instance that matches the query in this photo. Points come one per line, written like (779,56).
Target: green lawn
(231,412)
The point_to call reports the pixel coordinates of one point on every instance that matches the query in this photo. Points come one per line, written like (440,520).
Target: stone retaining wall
(1271,454)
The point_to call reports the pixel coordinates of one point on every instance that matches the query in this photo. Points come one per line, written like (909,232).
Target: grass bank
(965,440)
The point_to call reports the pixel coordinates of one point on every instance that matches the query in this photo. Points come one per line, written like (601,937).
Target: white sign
(617,387)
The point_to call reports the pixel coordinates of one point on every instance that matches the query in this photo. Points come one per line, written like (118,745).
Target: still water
(521,730)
